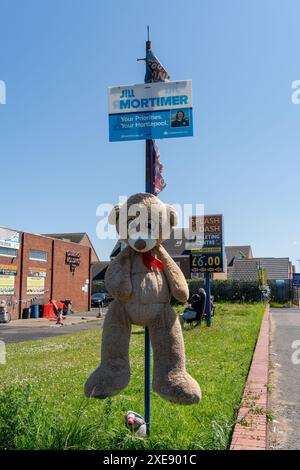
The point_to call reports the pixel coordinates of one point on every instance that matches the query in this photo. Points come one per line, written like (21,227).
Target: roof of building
(70,237)
(247,269)
(237,252)
(244,269)
(75,237)
(99,269)
(277,268)
(116,249)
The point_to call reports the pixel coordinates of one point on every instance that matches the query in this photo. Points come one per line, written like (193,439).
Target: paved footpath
(35,329)
(284,401)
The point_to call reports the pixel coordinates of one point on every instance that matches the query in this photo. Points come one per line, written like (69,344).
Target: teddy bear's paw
(105,382)
(179,388)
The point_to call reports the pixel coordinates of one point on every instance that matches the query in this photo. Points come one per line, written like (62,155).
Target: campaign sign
(150,111)
(207,247)
(296,279)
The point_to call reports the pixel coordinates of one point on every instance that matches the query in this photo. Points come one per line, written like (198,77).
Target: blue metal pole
(208,294)
(147,379)
(147,385)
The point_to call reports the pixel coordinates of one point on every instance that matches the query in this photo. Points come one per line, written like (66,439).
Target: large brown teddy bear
(142,279)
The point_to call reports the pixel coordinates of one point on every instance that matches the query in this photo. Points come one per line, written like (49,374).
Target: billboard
(36,281)
(7,279)
(150,111)
(9,238)
(207,246)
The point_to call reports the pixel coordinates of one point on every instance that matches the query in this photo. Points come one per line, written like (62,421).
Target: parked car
(101,299)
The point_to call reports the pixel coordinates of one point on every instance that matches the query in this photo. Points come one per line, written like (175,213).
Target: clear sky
(57,59)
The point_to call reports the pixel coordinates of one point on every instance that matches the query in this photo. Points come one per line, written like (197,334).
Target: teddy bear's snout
(140,244)
(141,241)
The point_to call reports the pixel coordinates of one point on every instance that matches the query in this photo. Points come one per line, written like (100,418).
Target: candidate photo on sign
(180,118)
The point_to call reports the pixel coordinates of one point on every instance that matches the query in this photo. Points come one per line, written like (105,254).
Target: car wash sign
(206,244)
(150,111)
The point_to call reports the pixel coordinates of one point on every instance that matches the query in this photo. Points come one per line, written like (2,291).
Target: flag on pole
(155,72)
(157,177)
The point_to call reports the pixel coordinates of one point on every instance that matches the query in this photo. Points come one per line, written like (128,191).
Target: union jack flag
(155,72)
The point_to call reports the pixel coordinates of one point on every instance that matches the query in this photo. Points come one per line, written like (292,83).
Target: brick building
(36,268)
(78,237)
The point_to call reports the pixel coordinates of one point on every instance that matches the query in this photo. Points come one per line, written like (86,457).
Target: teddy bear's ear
(172,215)
(114,215)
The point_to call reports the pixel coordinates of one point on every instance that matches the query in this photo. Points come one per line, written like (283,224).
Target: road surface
(284,400)
(19,333)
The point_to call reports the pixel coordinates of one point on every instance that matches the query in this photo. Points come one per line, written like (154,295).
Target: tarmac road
(285,379)
(19,333)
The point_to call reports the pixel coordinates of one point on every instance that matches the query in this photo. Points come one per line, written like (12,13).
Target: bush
(229,290)
(98,286)
(243,291)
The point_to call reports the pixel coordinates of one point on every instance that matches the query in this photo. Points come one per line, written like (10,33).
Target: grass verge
(42,404)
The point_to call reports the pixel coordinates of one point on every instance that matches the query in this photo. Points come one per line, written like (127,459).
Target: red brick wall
(86,242)
(36,242)
(68,285)
(65,285)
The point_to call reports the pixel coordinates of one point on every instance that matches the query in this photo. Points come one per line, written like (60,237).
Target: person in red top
(59,307)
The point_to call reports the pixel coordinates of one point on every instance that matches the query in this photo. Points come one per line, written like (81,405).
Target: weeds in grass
(42,405)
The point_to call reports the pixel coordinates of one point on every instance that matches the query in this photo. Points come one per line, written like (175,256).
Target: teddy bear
(142,278)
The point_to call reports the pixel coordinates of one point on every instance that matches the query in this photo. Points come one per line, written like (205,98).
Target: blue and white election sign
(150,111)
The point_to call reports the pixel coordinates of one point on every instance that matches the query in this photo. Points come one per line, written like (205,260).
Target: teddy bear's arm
(176,280)
(117,276)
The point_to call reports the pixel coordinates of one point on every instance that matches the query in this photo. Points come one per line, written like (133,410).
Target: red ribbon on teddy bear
(150,261)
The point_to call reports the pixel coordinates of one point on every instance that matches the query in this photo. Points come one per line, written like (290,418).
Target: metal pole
(147,385)
(208,294)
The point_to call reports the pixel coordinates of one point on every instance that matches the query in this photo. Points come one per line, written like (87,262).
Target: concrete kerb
(250,431)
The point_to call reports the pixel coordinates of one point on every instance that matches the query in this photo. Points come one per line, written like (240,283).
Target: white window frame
(6,254)
(38,259)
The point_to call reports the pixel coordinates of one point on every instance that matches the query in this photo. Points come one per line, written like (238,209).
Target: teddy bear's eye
(150,225)
(134,225)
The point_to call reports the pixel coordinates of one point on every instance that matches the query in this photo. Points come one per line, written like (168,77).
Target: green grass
(42,404)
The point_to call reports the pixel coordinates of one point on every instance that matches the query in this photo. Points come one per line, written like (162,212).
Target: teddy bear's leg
(170,378)
(113,373)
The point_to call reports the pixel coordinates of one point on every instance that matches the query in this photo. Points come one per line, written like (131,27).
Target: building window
(8,252)
(38,255)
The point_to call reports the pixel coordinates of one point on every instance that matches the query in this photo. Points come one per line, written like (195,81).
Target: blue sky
(59,56)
